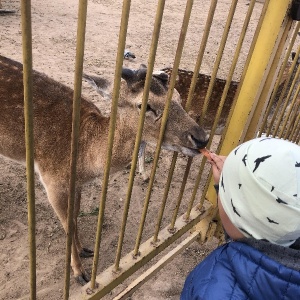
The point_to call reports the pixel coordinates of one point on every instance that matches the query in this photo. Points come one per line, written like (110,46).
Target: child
(259,206)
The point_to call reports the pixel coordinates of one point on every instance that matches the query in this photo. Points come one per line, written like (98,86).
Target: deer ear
(134,76)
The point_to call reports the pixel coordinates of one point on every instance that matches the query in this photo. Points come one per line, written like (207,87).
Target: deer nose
(200,143)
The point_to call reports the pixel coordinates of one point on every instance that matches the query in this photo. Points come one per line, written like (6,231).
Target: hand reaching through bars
(216,161)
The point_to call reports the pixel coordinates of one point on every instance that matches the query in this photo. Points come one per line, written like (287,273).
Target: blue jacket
(239,271)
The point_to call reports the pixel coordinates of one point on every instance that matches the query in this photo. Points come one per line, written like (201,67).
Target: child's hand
(217,163)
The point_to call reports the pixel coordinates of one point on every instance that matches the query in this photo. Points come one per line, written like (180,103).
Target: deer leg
(83,252)
(141,160)
(58,198)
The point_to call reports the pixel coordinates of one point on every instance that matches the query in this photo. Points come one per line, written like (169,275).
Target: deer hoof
(83,279)
(86,253)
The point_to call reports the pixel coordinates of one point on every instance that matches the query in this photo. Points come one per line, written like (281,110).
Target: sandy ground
(54,43)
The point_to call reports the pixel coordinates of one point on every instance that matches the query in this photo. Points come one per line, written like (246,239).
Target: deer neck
(124,140)
(94,142)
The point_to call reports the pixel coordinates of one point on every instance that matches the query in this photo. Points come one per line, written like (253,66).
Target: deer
(52,122)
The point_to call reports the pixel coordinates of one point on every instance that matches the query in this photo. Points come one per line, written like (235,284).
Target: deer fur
(52,119)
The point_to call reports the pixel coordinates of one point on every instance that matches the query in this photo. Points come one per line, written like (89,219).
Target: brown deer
(52,119)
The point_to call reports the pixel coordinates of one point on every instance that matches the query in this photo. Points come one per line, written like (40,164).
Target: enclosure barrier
(268,78)
(28,112)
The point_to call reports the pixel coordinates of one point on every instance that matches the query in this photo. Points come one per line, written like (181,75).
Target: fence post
(28,115)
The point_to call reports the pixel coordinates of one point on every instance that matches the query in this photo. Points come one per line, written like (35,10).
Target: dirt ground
(54,43)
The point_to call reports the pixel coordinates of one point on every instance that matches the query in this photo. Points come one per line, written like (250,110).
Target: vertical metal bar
(214,73)
(210,193)
(195,190)
(240,42)
(201,52)
(187,107)
(281,98)
(164,120)
(259,108)
(263,126)
(82,12)
(218,59)
(153,48)
(288,113)
(269,30)
(29,139)
(193,86)
(179,199)
(296,131)
(233,65)
(294,119)
(165,197)
(291,115)
(112,125)
(288,95)
(223,97)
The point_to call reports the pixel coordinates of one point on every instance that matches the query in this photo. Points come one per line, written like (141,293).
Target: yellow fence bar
(82,12)
(289,93)
(112,125)
(218,59)
(133,286)
(164,200)
(207,97)
(266,40)
(153,48)
(281,98)
(191,94)
(179,199)
(295,134)
(164,121)
(210,188)
(233,66)
(266,86)
(29,139)
(285,109)
(263,123)
(207,28)
(187,108)
(288,122)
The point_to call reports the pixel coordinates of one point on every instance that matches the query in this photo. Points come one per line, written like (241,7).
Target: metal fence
(265,100)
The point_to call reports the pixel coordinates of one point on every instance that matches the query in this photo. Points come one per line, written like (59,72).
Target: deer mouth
(193,150)
(184,150)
